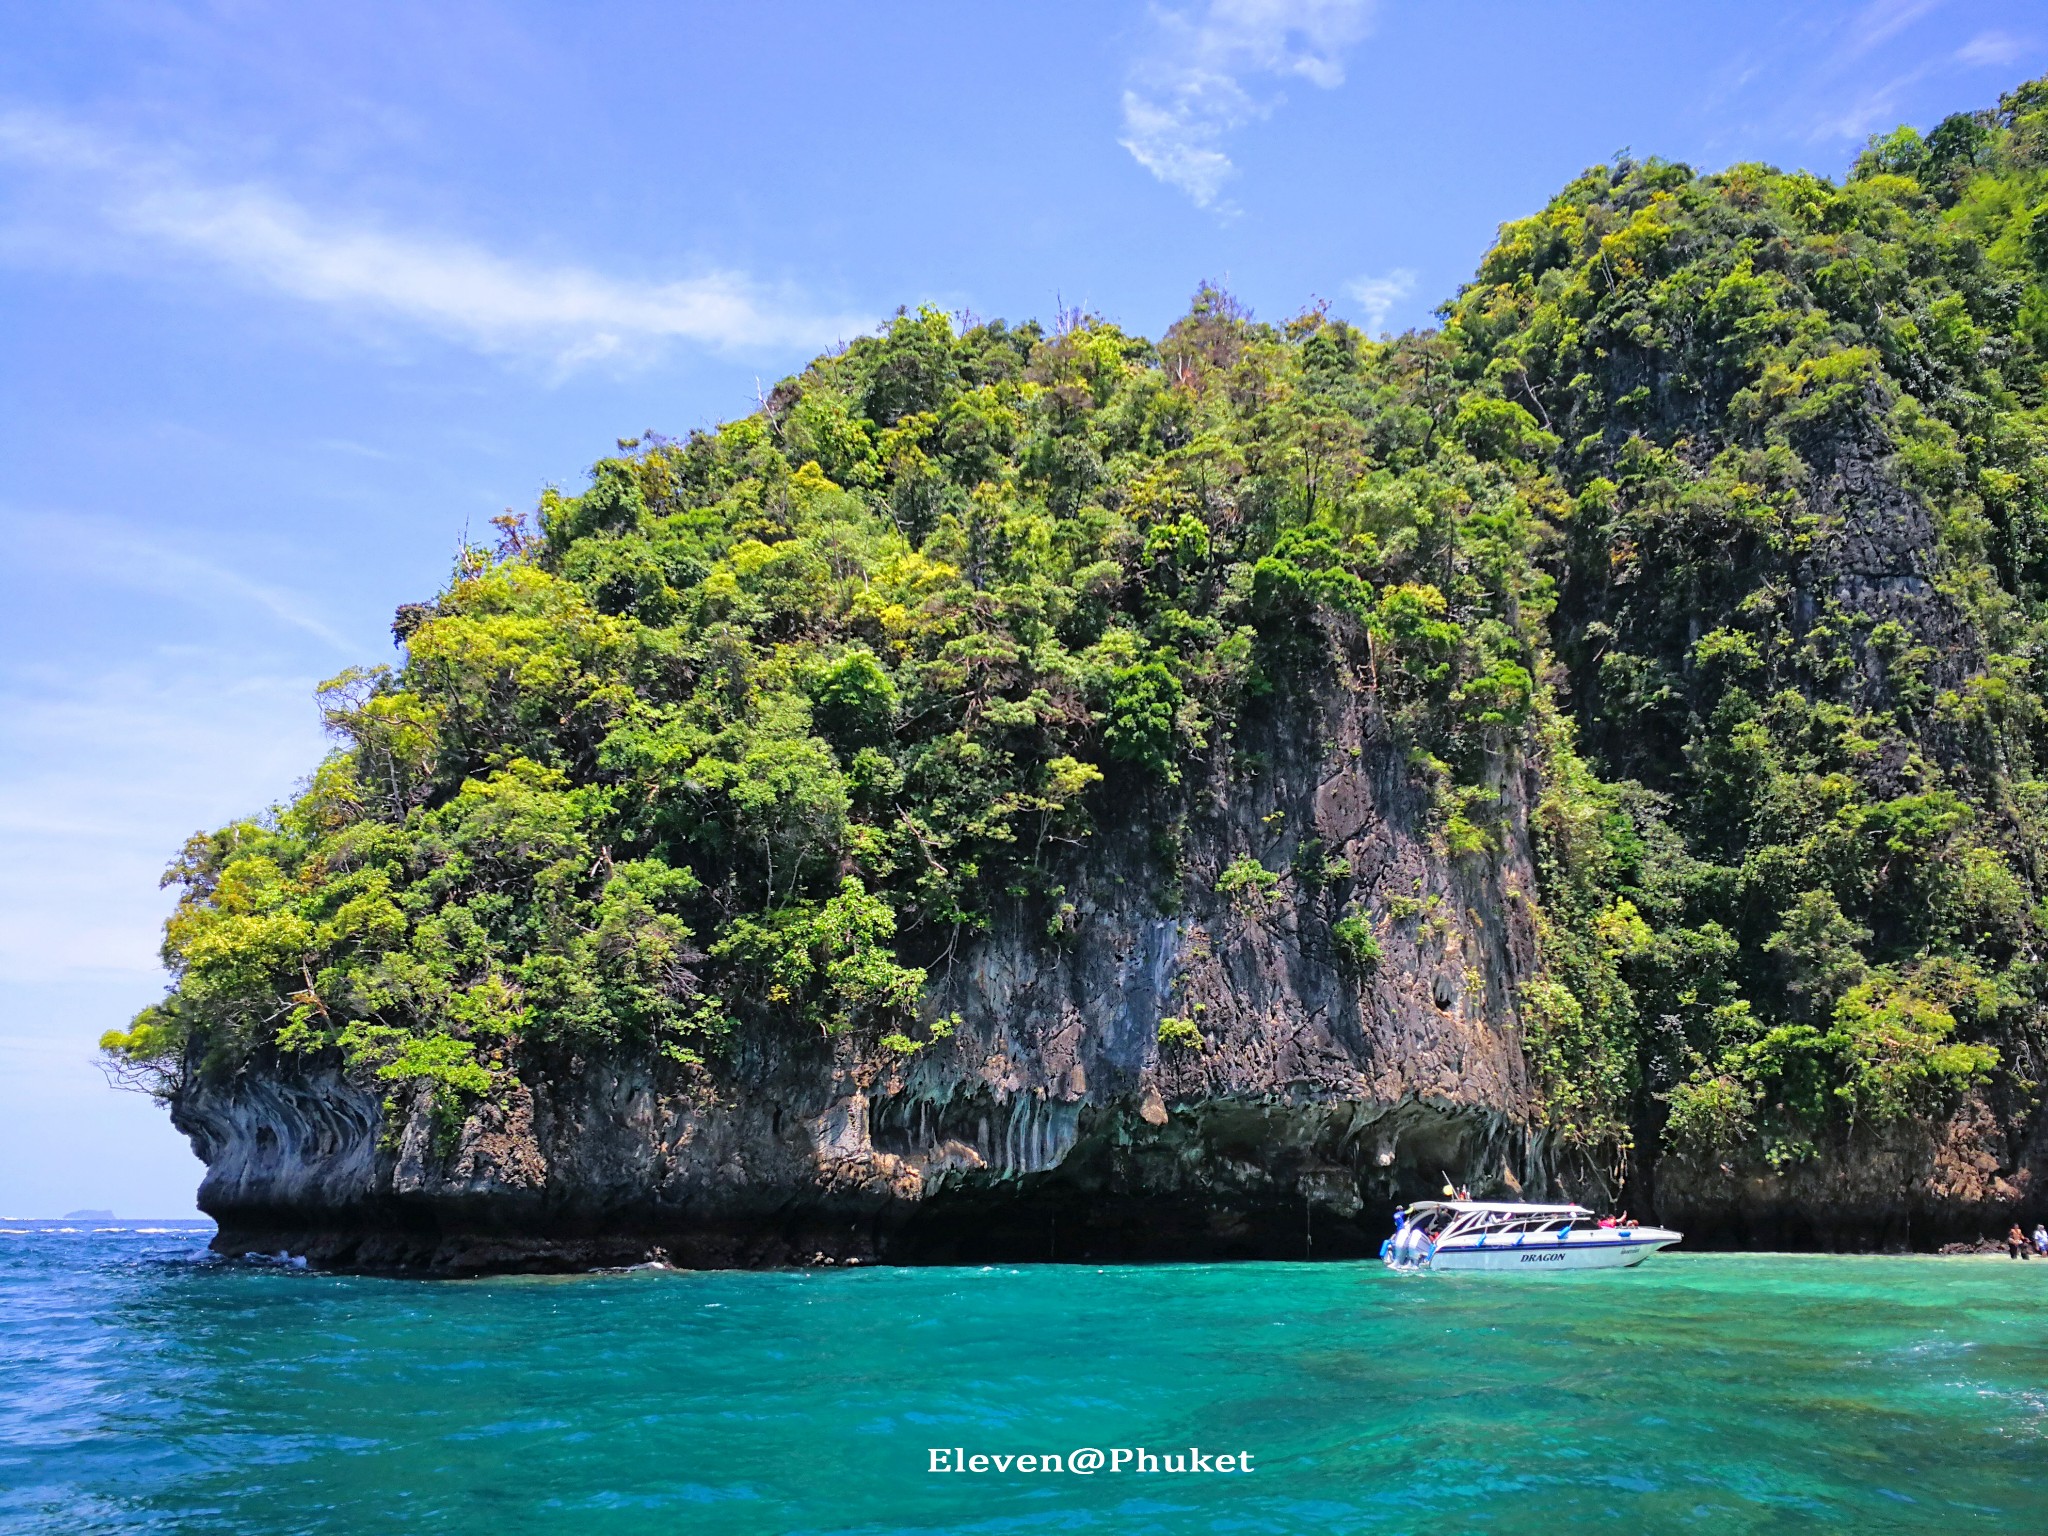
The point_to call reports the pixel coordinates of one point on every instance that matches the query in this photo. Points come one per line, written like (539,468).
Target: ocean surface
(145,1386)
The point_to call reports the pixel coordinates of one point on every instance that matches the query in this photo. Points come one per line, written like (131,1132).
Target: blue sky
(291,296)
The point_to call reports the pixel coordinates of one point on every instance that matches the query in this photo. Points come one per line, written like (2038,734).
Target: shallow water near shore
(145,1386)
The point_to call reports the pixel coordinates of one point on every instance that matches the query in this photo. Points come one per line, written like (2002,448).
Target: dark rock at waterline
(1907,1187)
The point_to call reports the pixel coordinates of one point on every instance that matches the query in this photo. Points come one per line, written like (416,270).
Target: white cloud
(107,551)
(1869,112)
(1881,21)
(1990,48)
(1188,93)
(355,265)
(113,764)
(195,708)
(1377,296)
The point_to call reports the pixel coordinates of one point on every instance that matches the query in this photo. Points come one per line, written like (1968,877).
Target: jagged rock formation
(1901,1189)
(1052,1124)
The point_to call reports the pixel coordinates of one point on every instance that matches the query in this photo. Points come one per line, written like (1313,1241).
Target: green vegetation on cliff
(1722,500)
(1800,628)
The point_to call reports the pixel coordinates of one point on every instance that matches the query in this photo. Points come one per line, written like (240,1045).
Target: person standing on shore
(2041,1238)
(2016,1244)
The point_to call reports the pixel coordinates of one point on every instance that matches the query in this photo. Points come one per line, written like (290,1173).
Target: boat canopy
(1496,1207)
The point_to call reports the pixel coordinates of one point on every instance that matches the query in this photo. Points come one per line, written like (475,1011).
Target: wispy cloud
(110,768)
(116,554)
(1988,49)
(1879,22)
(1873,57)
(359,266)
(166,691)
(1377,296)
(1196,84)
(1867,112)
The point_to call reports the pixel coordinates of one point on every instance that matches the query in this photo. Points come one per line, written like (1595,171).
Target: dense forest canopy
(767,723)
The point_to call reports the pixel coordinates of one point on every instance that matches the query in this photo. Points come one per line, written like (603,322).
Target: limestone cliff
(1051,1124)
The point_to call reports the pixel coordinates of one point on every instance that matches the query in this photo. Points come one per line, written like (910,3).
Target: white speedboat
(1462,1235)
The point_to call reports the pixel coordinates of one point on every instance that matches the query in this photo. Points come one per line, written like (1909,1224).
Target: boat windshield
(1479,1220)
(1517,1221)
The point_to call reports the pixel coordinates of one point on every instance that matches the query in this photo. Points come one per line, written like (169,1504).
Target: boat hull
(1537,1253)
(1537,1257)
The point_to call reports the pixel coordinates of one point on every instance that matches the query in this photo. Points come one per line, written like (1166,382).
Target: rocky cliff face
(1907,1188)
(1052,1124)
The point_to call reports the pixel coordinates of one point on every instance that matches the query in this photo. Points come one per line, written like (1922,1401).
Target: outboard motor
(1409,1247)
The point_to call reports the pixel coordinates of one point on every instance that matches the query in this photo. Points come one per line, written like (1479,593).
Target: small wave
(279,1260)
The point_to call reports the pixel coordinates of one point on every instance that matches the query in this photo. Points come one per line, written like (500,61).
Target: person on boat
(2040,1238)
(1607,1221)
(1464,1192)
(2016,1244)
(1400,1226)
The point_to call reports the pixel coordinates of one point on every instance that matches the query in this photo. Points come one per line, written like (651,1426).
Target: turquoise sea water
(146,1387)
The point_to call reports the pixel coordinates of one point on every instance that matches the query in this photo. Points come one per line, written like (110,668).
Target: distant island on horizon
(191,1218)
